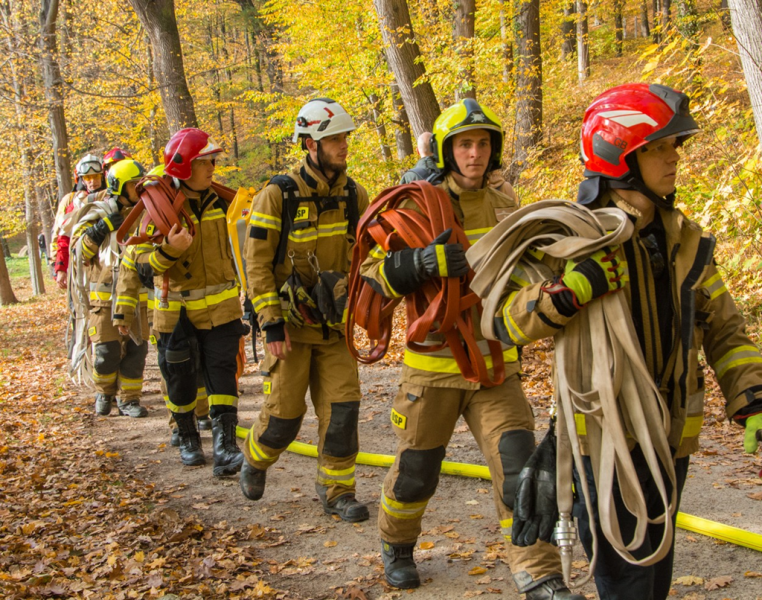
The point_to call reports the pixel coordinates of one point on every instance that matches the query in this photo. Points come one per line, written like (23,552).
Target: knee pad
(341,435)
(515,448)
(106,357)
(419,474)
(280,432)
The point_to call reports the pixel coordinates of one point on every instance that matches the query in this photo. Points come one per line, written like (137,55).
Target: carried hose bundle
(441,306)
(159,208)
(599,372)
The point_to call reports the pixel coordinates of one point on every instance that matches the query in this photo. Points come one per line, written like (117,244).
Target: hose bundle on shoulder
(599,370)
(441,306)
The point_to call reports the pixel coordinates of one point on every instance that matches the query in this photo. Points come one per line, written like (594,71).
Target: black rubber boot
(204,423)
(346,506)
(132,409)
(252,481)
(552,589)
(175,439)
(103,404)
(399,566)
(191,453)
(227,457)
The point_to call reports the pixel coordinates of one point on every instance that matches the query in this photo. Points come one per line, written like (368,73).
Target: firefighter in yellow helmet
(301,235)
(467,145)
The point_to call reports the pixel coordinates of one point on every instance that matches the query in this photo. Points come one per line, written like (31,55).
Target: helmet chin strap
(635,181)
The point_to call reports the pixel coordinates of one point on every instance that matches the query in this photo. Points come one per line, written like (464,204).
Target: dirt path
(311,555)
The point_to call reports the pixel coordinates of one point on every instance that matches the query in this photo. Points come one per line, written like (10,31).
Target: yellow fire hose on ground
(712,529)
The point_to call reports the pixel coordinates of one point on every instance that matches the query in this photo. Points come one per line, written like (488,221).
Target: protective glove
(753,434)
(301,307)
(535,510)
(407,270)
(145,274)
(103,227)
(330,295)
(601,273)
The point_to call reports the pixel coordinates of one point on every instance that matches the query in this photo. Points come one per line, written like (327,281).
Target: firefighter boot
(399,566)
(132,409)
(204,423)
(552,589)
(346,506)
(252,481)
(175,439)
(227,456)
(191,453)
(103,404)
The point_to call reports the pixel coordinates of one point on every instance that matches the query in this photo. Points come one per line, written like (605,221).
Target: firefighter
(301,235)
(433,394)
(118,359)
(199,321)
(631,138)
(113,156)
(90,186)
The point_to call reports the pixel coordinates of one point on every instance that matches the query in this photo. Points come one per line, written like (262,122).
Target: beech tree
(746,18)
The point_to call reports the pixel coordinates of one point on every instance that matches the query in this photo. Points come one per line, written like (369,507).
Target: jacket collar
(316,181)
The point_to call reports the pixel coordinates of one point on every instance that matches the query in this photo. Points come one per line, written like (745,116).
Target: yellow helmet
(123,172)
(463,116)
(157,171)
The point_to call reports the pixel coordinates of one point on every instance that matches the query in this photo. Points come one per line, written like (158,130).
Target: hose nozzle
(565,535)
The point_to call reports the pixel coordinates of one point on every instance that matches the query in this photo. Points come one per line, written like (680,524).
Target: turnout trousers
(615,578)
(330,373)
(118,362)
(216,357)
(424,419)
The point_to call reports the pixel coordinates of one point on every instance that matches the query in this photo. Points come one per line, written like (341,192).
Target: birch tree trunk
(403,55)
(51,79)
(583,49)
(158,19)
(528,83)
(746,18)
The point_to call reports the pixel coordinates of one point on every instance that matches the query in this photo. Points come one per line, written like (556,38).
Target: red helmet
(185,146)
(114,156)
(626,117)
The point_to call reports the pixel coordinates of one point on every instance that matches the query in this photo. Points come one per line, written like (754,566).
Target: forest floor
(100,507)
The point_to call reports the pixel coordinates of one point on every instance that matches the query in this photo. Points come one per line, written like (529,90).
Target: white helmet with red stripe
(320,118)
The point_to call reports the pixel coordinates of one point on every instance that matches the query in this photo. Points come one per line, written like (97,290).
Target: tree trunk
(6,290)
(645,30)
(35,265)
(404,58)
(528,83)
(463,29)
(746,17)
(666,6)
(402,130)
(46,216)
(51,78)
(725,15)
(656,29)
(569,31)
(583,48)
(158,19)
(687,19)
(618,26)
(377,118)
(505,37)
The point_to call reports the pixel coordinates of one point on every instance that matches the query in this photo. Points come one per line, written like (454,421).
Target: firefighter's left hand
(753,435)
(123,330)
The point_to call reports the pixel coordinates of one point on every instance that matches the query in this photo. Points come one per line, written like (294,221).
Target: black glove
(330,295)
(275,332)
(145,274)
(103,227)
(536,509)
(407,270)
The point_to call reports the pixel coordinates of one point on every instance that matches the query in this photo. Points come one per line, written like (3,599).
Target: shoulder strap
(353,211)
(290,190)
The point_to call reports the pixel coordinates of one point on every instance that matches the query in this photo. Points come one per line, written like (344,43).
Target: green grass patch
(17,266)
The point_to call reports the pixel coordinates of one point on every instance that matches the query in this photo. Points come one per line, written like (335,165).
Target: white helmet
(89,164)
(320,118)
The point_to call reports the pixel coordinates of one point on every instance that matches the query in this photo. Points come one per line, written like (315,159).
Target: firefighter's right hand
(123,330)
(441,259)
(277,339)
(605,271)
(179,238)
(61,279)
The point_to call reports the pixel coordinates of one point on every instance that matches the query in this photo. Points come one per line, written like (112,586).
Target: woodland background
(82,76)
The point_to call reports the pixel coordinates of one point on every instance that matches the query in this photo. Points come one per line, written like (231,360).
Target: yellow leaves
(689,580)
(426,545)
(330,544)
(139,556)
(112,455)
(477,571)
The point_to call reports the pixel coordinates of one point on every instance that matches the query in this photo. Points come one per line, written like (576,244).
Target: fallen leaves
(718,582)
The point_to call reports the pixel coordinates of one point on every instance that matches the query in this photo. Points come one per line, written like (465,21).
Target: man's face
(472,150)
(92,181)
(202,170)
(332,152)
(129,192)
(658,165)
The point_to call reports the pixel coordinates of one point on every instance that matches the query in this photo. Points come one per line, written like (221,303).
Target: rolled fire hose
(600,372)
(726,533)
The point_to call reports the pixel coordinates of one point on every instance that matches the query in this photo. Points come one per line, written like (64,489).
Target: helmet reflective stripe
(322,117)
(628,118)
(89,164)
